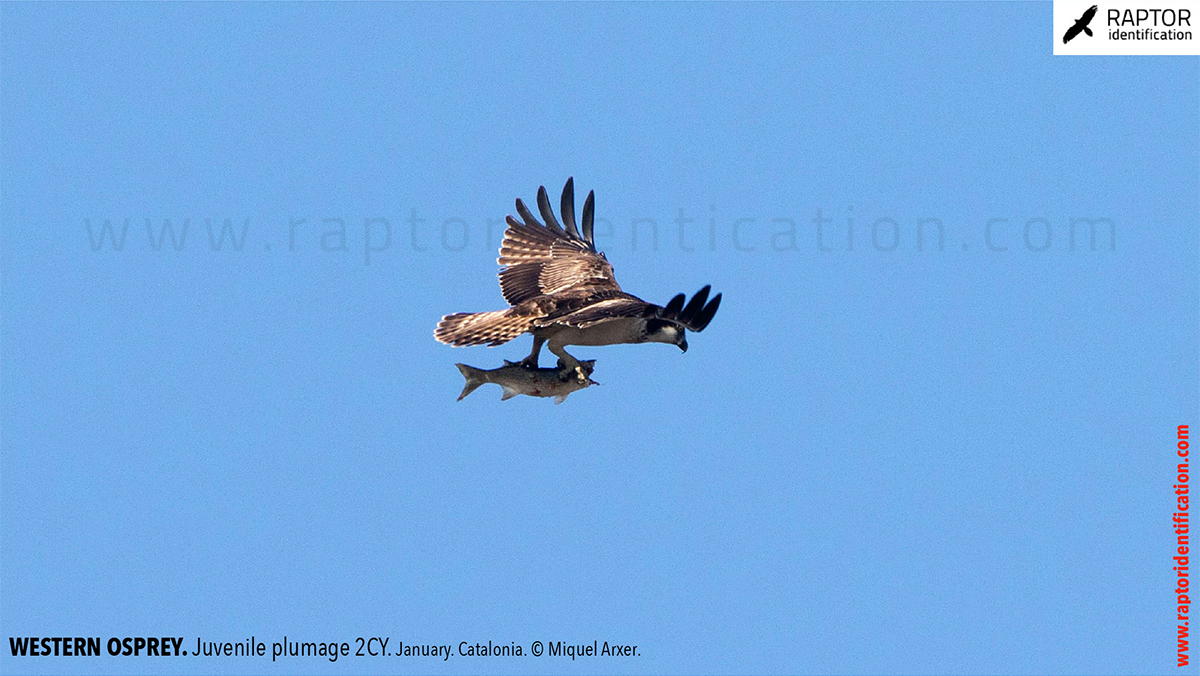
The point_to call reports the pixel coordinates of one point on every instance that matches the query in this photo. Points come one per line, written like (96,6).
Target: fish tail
(475,377)
(482,328)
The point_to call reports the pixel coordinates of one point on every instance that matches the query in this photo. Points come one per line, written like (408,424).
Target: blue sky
(887,454)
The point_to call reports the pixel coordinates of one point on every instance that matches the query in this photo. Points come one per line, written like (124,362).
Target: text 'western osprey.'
(563,292)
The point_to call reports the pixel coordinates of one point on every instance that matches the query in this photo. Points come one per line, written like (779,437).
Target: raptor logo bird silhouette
(1081,25)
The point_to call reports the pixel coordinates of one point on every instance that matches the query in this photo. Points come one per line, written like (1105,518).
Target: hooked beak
(682,344)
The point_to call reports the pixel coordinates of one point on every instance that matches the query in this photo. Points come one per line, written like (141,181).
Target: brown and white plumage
(563,291)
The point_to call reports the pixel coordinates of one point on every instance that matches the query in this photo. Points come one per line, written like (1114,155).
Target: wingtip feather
(589,213)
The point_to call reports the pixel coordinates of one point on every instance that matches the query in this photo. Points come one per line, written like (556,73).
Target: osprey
(563,292)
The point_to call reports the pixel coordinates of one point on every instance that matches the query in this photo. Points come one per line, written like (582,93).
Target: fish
(515,378)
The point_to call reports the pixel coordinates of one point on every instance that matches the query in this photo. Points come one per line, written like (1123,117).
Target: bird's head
(660,331)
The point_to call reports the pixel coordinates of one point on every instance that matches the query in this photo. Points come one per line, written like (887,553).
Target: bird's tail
(481,328)
(1088,31)
(475,377)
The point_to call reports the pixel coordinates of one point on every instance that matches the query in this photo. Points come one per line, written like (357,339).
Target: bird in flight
(1081,25)
(562,291)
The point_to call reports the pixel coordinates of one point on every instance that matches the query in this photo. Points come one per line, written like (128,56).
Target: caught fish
(516,379)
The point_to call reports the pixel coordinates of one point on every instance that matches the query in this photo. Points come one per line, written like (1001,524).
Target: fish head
(589,367)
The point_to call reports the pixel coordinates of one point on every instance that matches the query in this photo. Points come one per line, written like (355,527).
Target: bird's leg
(531,362)
(568,363)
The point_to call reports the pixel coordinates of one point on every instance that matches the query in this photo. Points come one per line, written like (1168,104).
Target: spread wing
(695,316)
(549,259)
(590,311)
(555,275)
